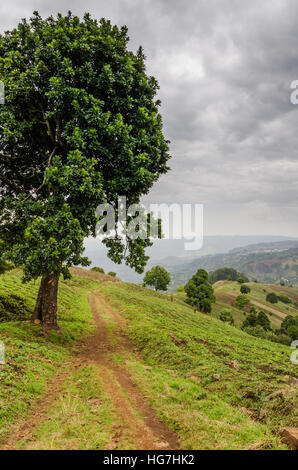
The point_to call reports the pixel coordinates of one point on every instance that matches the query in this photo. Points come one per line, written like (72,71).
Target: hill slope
(171,371)
(269,262)
(227,291)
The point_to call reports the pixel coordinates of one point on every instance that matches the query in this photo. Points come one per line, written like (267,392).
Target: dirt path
(137,417)
(147,430)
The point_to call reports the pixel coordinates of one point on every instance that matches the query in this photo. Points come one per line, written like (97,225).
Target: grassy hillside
(227,291)
(184,351)
(32,358)
(212,384)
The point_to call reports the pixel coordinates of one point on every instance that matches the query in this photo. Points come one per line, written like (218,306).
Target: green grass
(81,418)
(31,357)
(175,341)
(227,291)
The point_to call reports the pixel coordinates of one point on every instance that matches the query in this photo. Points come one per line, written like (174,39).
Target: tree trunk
(46,304)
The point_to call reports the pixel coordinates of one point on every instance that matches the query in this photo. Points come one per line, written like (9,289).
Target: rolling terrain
(266,262)
(131,369)
(227,291)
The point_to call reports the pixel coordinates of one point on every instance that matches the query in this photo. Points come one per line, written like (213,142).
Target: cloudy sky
(225,69)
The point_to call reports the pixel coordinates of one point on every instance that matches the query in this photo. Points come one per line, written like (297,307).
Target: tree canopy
(244,289)
(80,126)
(289,326)
(260,319)
(225,274)
(241,301)
(157,277)
(272,298)
(199,292)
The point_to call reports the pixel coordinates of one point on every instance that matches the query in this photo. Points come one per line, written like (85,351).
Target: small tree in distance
(244,289)
(263,320)
(157,277)
(241,301)
(272,298)
(226,316)
(98,270)
(199,292)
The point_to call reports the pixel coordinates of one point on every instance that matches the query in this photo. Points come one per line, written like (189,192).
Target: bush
(226,274)
(257,320)
(263,320)
(285,299)
(242,279)
(111,273)
(180,289)
(290,327)
(13,308)
(241,301)
(251,320)
(244,289)
(223,274)
(97,269)
(257,331)
(272,298)
(226,316)
(280,338)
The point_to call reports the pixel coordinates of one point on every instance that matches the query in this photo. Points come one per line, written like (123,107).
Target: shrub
(229,274)
(290,327)
(13,308)
(97,269)
(251,320)
(111,273)
(285,299)
(222,274)
(241,301)
(280,338)
(226,316)
(244,289)
(242,279)
(257,331)
(263,320)
(180,289)
(272,298)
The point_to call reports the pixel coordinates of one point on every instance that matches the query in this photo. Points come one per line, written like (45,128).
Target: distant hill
(171,253)
(268,262)
(227,291)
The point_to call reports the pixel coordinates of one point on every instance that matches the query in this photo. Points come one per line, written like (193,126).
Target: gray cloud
(224,69)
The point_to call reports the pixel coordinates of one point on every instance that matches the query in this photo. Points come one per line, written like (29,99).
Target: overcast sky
(224,69)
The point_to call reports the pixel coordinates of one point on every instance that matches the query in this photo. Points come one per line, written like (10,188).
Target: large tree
(80,127)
